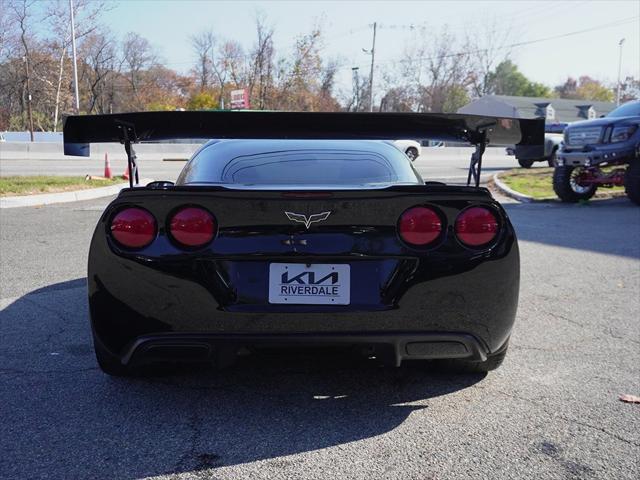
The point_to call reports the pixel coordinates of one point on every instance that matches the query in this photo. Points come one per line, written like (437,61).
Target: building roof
(554,109)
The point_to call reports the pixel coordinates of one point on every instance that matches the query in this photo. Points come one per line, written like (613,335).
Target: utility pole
(25,58)
(26,67)
(75,60)
(356,86)
(373,56)
(619,72)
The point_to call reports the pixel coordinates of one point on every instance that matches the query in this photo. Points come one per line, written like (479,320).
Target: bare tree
(98,66)
(203,44)
(6,32)
(447,69)
(487,47)
(137,55)
(221,69)
(22,14)
(299,85)
(437,73)
(260,78)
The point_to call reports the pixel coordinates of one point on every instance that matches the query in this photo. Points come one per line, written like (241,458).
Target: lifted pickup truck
(552,140)
(611,141)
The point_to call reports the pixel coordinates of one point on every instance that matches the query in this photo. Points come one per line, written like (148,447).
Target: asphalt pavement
(550,412)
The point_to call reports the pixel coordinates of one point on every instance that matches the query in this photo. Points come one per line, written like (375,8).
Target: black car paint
(221,289)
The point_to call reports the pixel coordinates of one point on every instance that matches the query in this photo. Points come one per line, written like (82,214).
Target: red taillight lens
(133,228)
(192,227)
(476,226)
(419,226)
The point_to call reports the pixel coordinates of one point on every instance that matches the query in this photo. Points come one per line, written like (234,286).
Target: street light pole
(75,61)
(619,72)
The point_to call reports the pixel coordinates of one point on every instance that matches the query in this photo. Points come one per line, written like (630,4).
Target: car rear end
(415,271)
(302,244)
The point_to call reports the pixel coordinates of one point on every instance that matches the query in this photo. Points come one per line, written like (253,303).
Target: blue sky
(168,24)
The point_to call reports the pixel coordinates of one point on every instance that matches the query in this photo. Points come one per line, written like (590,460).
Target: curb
(63,197)
(500,185)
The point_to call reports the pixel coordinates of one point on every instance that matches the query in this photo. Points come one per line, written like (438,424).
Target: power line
(521,44)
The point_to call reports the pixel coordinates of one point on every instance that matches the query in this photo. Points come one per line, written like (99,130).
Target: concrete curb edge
(500,185)
(63,197)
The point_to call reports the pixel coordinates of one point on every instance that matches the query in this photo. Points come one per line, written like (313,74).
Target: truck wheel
(565,184)
(412,153)
(632,181)
(552,160)
(525,163)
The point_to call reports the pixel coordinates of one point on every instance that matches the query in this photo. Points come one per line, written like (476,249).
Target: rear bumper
(132,304)
(391,347)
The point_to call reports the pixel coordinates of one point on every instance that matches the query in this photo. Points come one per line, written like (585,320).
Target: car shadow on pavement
(602,226)
(63,418)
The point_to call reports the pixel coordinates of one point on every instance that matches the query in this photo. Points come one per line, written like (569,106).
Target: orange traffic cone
(107,166)
(125,175)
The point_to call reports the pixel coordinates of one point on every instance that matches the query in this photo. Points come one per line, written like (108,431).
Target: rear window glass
(300,167)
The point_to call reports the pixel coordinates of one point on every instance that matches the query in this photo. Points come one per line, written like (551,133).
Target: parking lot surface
(551,412)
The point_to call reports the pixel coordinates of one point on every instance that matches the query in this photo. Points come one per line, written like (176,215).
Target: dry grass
(27,185)
(537,182)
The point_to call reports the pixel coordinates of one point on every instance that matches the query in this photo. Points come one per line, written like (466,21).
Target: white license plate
(315,284)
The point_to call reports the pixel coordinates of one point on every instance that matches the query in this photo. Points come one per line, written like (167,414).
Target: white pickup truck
(553,136)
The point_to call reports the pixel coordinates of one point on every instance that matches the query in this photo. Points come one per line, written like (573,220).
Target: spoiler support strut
(475,164)
(128,137)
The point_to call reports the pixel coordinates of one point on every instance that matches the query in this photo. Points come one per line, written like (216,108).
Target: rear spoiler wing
(129,128)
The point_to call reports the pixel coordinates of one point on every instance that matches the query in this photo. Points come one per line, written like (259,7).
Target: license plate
(315,284)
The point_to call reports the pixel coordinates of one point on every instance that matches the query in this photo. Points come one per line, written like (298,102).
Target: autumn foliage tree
(585,88)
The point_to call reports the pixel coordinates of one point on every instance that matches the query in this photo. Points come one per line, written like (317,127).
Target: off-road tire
(553,158)
(563,189)
(412,153)
(632,181)
(525,163)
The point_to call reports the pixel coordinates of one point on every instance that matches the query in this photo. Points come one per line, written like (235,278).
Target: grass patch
(537,182)
(27,185)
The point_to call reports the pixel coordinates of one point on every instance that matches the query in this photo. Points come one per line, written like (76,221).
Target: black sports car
(305,230)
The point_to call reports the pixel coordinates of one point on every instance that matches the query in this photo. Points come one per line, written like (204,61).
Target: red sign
(239,99)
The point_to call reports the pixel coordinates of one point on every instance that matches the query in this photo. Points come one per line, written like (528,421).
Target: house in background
(554,110)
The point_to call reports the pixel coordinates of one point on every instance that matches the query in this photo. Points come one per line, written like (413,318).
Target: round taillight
(192,227)
(476,226)
(133,228)
(419,226)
